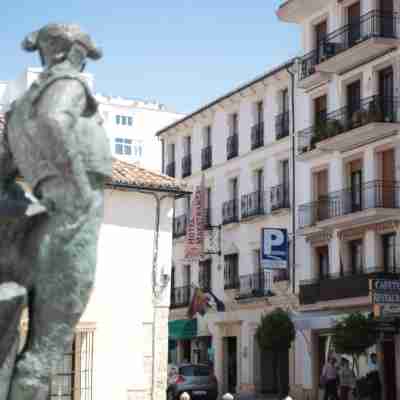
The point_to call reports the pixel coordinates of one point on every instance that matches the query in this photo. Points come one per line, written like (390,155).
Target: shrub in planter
(333,128)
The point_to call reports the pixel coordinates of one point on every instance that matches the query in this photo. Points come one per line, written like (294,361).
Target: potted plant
(333,128)
(276,333)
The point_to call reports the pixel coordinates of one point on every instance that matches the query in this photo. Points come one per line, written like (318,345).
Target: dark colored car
(198,380)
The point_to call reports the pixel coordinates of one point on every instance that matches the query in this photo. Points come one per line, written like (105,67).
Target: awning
(182,329)
(315,320)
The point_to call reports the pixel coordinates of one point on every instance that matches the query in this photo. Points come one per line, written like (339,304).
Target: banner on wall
(274,248)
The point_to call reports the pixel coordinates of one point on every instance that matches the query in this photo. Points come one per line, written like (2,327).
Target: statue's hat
(69,33)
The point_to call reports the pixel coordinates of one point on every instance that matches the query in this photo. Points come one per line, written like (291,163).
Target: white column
(369,175)
(370,250)
(334,253)
(335,174)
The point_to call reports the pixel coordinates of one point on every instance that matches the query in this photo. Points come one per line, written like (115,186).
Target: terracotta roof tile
(132,175)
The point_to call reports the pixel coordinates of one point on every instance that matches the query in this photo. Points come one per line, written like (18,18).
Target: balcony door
(389,252)
(353,98)
(320,30)
(353,20)
(323,261)
(386,93)
(356,256)
(386,23)
(387,190)
(320,108)
(320,180)
(356,190)
(187,276)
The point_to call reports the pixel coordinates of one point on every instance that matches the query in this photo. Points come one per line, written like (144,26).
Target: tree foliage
(276,331)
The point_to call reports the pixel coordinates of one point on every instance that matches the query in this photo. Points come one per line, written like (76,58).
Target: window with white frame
(124,120)
(123,146)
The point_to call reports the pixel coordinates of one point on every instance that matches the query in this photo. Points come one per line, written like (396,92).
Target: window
(231,271)
(187,276)
(356,256)
(117,119)
(234,124)
(389,252)
(123,146)
(285,100)
(320,110)
(73,377)
(130,121)
(123,120)
(207,136)
(322,254)
(187,145)
(260,112)
(171,153)
(205,275)
(257,261)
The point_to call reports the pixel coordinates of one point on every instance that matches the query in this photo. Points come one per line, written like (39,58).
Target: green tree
(354,335)
(276,333)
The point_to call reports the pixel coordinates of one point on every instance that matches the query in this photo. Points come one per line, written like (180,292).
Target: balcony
(257,136)
(207,218)
(232,146)
(279,197)
(170,169)
(295,11)
(179,227)
(308,75)
(362,204)
(342,286)
(180,296)
(252,204)
(373,118)
(255,285)
(282,125)
(186,166)
(230,212)
(206,157)
(354,44)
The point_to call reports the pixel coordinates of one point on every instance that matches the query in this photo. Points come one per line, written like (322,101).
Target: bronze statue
(55,141)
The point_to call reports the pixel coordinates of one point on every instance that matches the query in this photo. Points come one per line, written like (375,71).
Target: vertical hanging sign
(195,229)
(275,249)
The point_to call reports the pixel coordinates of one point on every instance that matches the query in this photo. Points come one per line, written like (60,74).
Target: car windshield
(194,370)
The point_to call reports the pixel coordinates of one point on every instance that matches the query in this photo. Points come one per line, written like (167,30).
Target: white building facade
(238,146)
(348,163)
(130,124)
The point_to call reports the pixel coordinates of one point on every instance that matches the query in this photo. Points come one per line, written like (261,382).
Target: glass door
(354,24)
(356,191)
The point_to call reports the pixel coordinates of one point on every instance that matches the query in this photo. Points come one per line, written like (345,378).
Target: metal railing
(252,204)
(186,166)
(232,146)
(256,285)
(279,197)
(257,136)
(342,285)
(230,212)
(180,225)
(377,108)
(373,194)
(180,296)
(207,218)
(206,157)
(282,125)
(374,24)
(170,169)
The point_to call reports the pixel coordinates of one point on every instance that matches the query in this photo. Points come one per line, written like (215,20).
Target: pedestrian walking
(329,379)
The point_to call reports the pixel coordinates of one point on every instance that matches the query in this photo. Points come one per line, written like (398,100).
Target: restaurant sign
(385,291)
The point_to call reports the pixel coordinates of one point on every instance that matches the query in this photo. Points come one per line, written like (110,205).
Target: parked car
(198,380)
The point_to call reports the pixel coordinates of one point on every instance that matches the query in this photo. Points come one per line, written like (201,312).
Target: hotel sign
(385,291)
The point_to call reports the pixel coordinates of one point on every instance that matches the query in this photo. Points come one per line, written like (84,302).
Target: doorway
(354,23)
(389,369)
(271,371)
(230,364)
(387,19)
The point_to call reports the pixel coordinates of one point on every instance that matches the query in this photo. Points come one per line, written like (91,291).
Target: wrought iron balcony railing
(257,136)
(180,225)
(186,166)
(279,197)
(252,204)
(232,146)
(376,108)
(206,157)
(170,169)
(230,212)
(374,194)
(347,284)
(256,285)
(282,125)
(374,24)
(180,296)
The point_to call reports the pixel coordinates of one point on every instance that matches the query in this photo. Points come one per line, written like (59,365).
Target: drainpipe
(293,159)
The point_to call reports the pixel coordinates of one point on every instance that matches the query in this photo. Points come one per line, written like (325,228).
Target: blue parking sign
(274,245)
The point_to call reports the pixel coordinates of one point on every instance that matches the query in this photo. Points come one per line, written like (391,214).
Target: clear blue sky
(182,53)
